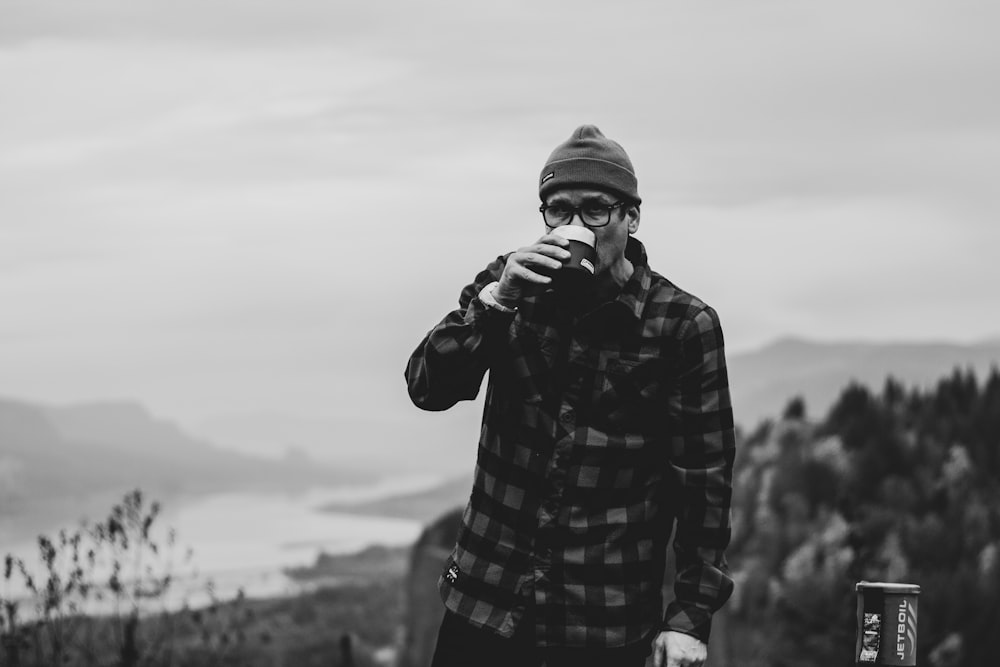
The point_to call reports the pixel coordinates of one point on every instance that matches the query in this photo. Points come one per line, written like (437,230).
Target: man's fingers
(543,249)
(553,239)
(530,264)
(540,260)
(551,250)
(657,655)
(675,649)
(523,273)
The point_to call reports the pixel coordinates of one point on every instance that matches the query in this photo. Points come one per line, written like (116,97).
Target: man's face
(611,238)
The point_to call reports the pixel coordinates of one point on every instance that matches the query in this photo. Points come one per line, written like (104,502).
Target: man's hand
(676,649)
(522,269)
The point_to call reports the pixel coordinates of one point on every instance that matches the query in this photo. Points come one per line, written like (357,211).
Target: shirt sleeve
(449,364)
(702,450)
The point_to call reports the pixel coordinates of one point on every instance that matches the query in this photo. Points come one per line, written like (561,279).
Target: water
(245,540)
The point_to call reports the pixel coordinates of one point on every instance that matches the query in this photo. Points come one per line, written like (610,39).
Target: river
(245,540)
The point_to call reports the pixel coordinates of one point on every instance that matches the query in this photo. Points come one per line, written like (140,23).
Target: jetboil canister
(887,624)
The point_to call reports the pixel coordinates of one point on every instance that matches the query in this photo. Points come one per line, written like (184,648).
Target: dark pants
(460,644)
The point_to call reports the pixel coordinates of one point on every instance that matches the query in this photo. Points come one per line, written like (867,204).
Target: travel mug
(887,624)
(577,272)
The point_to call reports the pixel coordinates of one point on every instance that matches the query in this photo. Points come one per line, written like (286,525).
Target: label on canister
(887,624)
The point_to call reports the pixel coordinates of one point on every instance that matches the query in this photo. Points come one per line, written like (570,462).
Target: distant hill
(392,437)
(59,460)
(764,380)
(424,506)
(124,426)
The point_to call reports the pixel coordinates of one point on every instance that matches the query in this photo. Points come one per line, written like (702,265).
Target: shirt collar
(636,289)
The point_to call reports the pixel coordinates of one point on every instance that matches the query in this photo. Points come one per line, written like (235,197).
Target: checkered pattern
(601,431)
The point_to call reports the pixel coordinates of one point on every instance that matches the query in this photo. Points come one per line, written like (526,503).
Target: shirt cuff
(688,619)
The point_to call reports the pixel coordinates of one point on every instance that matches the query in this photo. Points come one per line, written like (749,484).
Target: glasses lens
(557,214)
(595,214)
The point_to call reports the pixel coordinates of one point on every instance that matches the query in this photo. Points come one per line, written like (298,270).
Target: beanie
(588,158)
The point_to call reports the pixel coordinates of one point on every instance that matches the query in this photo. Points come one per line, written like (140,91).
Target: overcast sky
(217,207)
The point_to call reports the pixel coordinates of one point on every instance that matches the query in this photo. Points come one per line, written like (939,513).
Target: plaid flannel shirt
(599,433)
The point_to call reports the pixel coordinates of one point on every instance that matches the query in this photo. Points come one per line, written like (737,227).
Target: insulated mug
(578,271)
(887,624)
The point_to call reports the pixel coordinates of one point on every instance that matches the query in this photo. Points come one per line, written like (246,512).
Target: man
(607,421)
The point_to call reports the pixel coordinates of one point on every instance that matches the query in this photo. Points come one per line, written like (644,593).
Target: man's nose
(577,219)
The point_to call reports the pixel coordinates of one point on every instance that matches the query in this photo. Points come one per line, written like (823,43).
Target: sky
(223,208)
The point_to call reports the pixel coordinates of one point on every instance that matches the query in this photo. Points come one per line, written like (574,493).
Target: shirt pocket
(627,394)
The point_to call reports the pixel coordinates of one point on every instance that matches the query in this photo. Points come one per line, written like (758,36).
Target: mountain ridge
(56,462)
(762,381)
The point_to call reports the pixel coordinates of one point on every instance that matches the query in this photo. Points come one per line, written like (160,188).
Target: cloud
(261,189)
(210,22)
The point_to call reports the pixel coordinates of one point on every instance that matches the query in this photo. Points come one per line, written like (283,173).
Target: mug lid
(575,233)
(887,587)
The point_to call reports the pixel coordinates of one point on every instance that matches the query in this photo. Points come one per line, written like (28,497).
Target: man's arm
(449,363)
(702,450)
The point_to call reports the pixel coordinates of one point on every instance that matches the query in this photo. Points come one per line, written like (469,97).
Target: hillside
(897,485)
(762,381)
(57,462)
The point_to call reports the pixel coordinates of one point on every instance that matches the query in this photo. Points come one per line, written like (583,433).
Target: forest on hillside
(901,485)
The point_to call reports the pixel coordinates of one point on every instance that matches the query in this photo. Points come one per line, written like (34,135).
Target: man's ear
(632,218)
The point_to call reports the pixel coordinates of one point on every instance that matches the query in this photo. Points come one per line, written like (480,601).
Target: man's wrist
(489,299)
(504,300)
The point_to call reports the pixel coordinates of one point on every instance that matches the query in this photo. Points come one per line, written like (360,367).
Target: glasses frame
(578,211)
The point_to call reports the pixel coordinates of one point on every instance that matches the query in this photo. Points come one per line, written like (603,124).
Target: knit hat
(588,158)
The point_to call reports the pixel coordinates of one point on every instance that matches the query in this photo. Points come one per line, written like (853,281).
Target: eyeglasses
(592,213)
